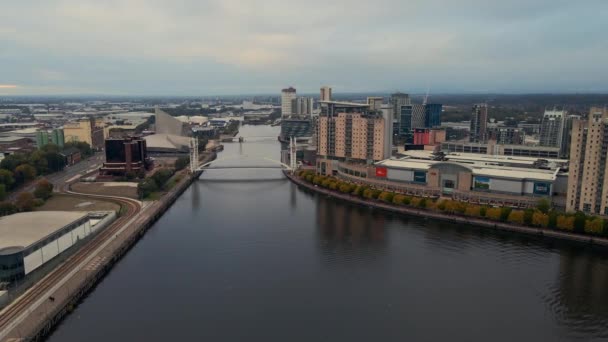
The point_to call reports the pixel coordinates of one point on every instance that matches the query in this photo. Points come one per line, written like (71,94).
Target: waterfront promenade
(453,218)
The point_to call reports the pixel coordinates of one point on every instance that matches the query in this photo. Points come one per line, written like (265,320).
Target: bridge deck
(241,167)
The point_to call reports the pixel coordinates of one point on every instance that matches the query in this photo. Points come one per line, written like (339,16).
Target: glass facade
(432,113)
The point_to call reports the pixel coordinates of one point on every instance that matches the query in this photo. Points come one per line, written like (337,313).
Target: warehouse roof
(476,169)
(18,231)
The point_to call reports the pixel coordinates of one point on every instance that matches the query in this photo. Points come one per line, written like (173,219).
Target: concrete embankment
(599,241)
(80,285)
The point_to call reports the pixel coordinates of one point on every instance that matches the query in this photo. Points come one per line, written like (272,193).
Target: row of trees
(27,201)
(541,216)
(19,168)
(154,183)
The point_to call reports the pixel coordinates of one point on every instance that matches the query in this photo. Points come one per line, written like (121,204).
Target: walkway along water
(454,218)
(40,321)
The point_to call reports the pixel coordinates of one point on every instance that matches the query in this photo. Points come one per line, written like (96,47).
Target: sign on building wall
(541,188)
(482,183)
(381,172)
(419,176)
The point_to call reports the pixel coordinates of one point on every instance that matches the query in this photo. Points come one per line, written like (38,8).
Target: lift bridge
(195,167)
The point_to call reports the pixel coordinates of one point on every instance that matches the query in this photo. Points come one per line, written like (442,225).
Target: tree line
(542,216)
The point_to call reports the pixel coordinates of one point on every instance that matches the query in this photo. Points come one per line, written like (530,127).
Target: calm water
(263,261)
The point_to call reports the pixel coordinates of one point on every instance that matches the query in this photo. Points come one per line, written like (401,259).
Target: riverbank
(93,263)
(593,240)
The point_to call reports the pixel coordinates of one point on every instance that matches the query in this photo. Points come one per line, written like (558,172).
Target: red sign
(381,172)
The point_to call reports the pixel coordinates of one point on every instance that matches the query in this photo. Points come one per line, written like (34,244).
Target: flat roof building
(31,239)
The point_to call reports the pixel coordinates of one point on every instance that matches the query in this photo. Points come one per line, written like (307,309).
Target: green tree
(543,205)
(182,162)
(504,213)
(540,219)
(579,222)
(12,161)
(7,208)
(24,172)
(84,148)
(146,187)
(6,178)
(515,216)
(25,201)
(50,148)
(44,189)
(55,161)
(2,192)
(594,225)
(528,213)
(386,196)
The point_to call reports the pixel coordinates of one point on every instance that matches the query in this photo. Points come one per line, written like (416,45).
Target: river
(244,255)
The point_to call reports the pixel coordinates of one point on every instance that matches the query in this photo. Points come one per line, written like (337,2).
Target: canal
(244,255)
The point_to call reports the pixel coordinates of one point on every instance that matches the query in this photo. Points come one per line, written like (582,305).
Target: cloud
(195,47)
(8,86)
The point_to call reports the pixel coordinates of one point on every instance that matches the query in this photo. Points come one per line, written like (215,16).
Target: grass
(64,202)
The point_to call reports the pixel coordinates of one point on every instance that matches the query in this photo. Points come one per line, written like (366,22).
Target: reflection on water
(246,255)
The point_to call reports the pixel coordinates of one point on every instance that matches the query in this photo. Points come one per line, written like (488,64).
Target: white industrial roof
(24,229)
(477,170)
(473,157)
(166,141)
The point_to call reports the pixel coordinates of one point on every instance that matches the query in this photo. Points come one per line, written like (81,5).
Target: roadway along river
(264,261)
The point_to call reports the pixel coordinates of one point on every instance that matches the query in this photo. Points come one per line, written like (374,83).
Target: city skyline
(228,47)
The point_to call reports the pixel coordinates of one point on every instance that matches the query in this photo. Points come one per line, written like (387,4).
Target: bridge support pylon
(292,154)
(193,154)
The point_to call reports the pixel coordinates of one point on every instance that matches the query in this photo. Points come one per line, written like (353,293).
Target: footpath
(600,241)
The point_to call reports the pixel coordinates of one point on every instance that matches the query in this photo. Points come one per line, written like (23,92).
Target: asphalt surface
(58,179)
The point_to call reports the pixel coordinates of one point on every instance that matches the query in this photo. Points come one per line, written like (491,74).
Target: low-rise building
(30,240)
(71,155)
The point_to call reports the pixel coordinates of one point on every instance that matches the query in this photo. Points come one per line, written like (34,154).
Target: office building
(85,131)
(295,127)
(587,182)
(325,94)
(418,116)
(127,155)
(479,123)
(397,100)
(287,97)
(432,112)
(349,131)
(375,103)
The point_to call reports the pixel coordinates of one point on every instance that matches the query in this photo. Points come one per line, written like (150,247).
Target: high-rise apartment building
(375,102)
(587,182)
(479,123)
(552,128)
(302,105)
(287,97)
(325,94)
(418,116)
(506,135)
(350,131)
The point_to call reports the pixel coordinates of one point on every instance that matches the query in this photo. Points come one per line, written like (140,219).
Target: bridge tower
(193,154)
(292,154)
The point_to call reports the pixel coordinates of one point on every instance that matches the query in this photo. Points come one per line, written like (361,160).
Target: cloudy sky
(216,47)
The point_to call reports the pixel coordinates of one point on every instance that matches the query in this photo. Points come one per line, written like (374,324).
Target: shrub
(43,190)
(493,213)
(358,191)
(552,220)
(325,183)
(594,225)
(540,219)
(333,185)
(473,211)
(442,205)
(565,222)
(528,213)
(398,199)
(422,203)
(579,222)
(504,213)
(407,200)
(25,201)
(7,208)
(309,178)
(482,211)
(515,216)
(386,196)
(181,163)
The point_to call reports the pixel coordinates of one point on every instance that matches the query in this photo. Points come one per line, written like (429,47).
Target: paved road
(60,178)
